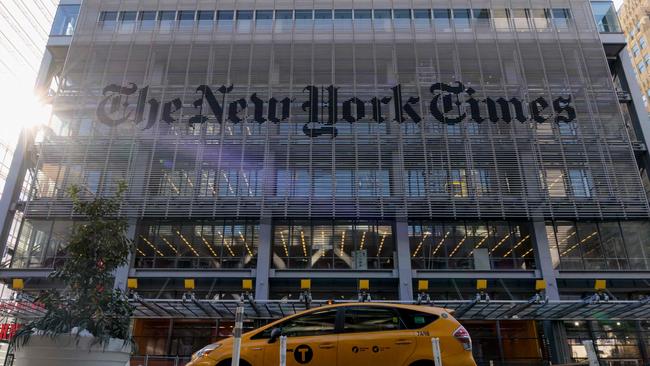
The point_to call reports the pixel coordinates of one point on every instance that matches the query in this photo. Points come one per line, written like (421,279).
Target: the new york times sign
(450,104)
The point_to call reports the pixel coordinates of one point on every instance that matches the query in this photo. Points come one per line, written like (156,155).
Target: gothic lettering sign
(450,103)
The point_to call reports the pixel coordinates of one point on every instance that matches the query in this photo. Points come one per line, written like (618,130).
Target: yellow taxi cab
(352,334)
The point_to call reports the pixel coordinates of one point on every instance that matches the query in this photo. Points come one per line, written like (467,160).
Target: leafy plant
(88,301)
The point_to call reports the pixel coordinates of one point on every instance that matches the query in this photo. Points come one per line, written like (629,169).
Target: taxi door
(253,351)
(373,336)
(311,340)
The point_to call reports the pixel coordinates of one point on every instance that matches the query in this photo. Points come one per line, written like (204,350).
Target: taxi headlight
(205,350)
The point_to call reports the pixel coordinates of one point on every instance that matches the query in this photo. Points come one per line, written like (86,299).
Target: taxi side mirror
(275,334)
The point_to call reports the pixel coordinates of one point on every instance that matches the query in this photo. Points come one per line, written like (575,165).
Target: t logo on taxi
(303,354)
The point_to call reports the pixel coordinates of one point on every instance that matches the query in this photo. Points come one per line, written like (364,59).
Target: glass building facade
(392,141)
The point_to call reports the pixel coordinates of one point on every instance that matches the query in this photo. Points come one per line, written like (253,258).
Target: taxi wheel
(229,363)
(422,363)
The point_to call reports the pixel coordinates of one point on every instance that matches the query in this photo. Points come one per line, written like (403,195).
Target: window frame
(338,323)
(400,327)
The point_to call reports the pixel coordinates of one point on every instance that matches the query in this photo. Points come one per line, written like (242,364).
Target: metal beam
(179,273)
(333,274)
(605,275)
(8,274)
(474,275)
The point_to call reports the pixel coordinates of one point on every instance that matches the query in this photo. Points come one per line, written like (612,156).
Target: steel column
(543,258)
(263,260)
(14,183)
(404,260)
(122,273)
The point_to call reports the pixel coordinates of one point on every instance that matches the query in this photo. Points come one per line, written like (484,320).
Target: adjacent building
(394,142)
(24,30)
(634,22)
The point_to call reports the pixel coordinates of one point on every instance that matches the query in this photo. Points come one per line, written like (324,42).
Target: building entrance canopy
(463,310)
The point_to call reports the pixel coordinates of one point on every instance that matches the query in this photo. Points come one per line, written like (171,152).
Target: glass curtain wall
(239,109)
(210,244)
(471,245)
(605,16)
(338,244)
(608,245)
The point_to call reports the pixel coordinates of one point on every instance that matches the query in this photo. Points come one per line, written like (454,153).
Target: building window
(481,15)
(605,16)
(442,19)
(373,183)
(421,14)
(541,18)
(293,183)
(327,244)
(127,21)
(65,20)
(581,183)
(635,49)
(147,20)
(520,19)
(608,245)
(349,183)
(441,181)
(438,181)
(186,18)
(205,18)
(481,180)
(501,19)
(470,245)
(176,183)
(402,13)
(561,18)
(616,341)
(166,20)
(107,20)
(641,66)
(239,183)
(210,244)
(225,15)
(414,183)
(642,43)
(458,183)
(42,243)
(554,182)
(326,14)
(462,19)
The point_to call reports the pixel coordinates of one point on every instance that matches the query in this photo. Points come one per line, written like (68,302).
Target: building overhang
(613,43)
(191,308)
